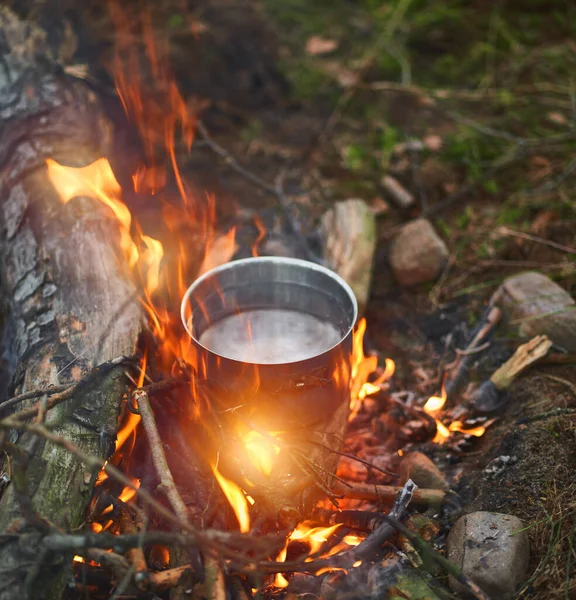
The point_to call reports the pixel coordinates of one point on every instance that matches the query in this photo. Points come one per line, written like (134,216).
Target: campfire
(234,435)
(254,386)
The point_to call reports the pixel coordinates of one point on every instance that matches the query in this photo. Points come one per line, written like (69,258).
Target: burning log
(71,304)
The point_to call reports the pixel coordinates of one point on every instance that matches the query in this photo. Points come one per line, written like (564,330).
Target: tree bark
(70,303)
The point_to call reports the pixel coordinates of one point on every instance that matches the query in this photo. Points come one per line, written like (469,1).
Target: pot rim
(273,260)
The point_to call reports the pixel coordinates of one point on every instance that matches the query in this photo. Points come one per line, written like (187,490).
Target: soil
(544,451)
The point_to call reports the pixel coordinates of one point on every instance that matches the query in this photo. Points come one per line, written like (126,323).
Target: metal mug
(284,393)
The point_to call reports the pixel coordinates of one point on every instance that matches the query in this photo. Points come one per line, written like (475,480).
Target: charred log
(70,305)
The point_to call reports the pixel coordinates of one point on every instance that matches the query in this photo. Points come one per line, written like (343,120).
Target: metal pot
(275,337)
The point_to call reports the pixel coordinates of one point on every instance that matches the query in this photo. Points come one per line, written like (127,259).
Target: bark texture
(69,301)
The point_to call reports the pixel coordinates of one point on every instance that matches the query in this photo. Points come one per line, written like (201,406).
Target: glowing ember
(237,500)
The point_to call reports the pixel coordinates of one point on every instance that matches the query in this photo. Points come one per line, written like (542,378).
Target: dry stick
(35,394)
(366,463)
(61,393)
(536,239)
(135,555)
(109,560)
(361,520)
(458,372)
(215,585)
(78,542)
(387,493)
(167,485)
(166,580)
(368,547)
(493,393)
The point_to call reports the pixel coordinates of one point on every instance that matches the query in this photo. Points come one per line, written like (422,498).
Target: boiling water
(270,336)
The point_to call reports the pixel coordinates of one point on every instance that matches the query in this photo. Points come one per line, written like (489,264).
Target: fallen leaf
(345,77)
(318,45)
(379,207)
(556,117)
(542,220)
(433,142)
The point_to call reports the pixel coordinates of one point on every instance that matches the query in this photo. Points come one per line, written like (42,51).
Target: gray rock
(417,254)
(534,305)
(423,472)
(490,549)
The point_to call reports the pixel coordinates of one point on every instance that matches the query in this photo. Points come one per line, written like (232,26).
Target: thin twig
(78,542)
(167,485)
(59,394)
(96,464)
(275,189)
(135,555)
(370,546)
(366,463)
(471,351)
(536,239)
(212,572)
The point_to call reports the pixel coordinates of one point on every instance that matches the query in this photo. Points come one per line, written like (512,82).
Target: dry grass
(553,547)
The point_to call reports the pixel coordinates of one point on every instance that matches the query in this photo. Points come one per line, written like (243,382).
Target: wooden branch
(166,580)
(525,355)
(167,485)
(387,493)
(135,555)
(492,395)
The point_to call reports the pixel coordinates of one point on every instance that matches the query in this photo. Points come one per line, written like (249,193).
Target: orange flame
(442,432)
(315,537)
(362,367)
(95,181)
(475,431)
(237,500)
(435,403)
